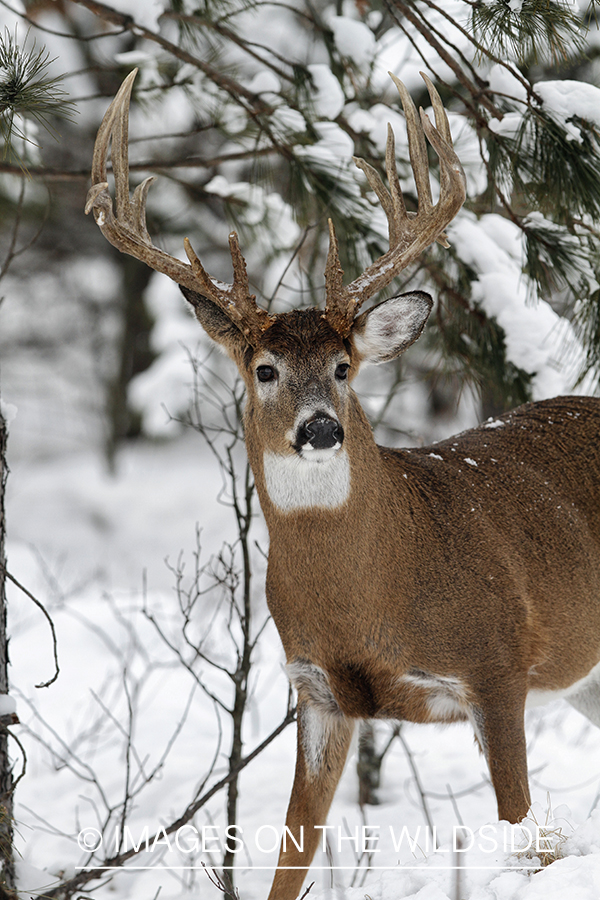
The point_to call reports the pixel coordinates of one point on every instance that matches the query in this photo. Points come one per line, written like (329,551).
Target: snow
(503,81)
(334,140)
(374,122)
(84,553)
(145,12)
(265,82)
(536,336)
(288,121)
(93,547)
(260,207)
(353,40)
(8,411)
(328,97)
(564,99)
(8,705)
(509,126)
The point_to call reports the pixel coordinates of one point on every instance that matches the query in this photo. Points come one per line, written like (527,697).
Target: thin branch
(65,34)
(16,780)
(50,623)
(234,38)
(221,881)
(86,773)
(119,860)
(235,90)
(416,776)
(150,616)
(290,262)
(454,805)
(424,30)
(514,71)
(49,173)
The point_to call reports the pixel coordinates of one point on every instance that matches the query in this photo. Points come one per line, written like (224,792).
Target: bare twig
(454,805)
(417,778)
(23,753)
(457,892)
(221,881)
(50,623)
(89,874)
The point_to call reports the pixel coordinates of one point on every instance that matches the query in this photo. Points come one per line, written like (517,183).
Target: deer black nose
(322,433)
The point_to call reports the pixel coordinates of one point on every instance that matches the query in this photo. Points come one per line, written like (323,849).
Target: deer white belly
(295,482)
(590,683)
(446,696)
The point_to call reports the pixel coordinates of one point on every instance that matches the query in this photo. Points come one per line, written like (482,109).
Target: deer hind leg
(323,742)
(500,729)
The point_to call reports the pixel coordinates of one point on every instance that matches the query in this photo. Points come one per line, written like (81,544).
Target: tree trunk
(243,513)
(135,355)
(7,884)
(368,766)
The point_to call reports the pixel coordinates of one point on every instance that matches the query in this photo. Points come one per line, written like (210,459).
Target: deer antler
(409,233)
(128,233)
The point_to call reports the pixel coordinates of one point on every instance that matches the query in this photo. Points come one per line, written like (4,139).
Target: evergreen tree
(252,112)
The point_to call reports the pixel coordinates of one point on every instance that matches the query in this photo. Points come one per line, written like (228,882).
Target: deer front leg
(500,729)
(323,742)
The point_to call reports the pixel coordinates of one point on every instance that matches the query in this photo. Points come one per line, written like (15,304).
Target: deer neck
(341,491)
(328,553)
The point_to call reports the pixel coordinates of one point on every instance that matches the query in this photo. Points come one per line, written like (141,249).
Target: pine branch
(27,91)
(530,31)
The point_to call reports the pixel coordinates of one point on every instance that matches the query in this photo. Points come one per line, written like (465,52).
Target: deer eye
(265,373)
(341,371)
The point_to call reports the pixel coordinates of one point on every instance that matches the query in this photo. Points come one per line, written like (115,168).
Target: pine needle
(27,91)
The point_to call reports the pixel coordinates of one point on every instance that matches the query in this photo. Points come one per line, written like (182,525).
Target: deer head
(294,410)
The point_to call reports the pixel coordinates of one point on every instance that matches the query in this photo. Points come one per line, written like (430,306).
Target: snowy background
(105,550)
(81,541)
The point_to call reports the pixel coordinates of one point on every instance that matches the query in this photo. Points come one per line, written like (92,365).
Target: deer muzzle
(321,432)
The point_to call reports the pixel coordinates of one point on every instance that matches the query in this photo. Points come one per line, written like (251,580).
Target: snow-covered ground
(81,541)
(125,717)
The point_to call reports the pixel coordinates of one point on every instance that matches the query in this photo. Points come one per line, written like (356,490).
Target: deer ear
(386,330)
(216,324)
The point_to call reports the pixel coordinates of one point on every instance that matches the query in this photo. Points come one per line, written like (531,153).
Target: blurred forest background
(249,112)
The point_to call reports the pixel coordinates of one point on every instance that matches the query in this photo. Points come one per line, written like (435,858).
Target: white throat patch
(297,483)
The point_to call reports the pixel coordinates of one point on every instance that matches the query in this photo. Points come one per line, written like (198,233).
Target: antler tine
(417,146)
(409,233)
(334,274)
(120,143)
(399,207)
(441,118)
(127,229)
(443,127)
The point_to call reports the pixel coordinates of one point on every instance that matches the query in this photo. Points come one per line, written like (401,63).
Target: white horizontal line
(242,868)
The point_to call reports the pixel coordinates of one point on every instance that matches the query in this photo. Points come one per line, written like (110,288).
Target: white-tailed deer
(437,584)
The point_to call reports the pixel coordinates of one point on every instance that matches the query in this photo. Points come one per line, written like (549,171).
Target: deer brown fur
(454,581)
(437,584)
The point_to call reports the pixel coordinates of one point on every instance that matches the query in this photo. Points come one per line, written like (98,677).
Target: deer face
(298,374)
(297,408)
(298,387)
(299,405)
